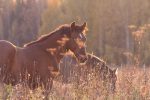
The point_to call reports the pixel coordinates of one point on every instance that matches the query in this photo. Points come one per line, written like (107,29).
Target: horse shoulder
(36,58)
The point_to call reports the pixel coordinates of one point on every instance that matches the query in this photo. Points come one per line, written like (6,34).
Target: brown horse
(35,62)
(93,65)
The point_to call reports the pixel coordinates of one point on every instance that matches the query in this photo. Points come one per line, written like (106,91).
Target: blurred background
(119,30)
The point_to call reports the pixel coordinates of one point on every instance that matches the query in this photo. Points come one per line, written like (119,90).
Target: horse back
(7,52)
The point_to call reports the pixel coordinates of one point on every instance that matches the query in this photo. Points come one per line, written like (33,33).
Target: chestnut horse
(35,62)
(69,68)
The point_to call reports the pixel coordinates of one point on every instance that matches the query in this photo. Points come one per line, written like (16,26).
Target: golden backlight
(55,3)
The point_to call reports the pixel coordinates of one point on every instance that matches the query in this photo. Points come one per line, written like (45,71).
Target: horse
(35,62)
(94,65)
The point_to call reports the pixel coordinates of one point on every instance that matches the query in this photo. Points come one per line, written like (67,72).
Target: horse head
(111,79)
(77,41)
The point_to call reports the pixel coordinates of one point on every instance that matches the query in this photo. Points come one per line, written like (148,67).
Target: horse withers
(35,62)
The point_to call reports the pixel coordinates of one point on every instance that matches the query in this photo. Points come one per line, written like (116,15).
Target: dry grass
(133,84)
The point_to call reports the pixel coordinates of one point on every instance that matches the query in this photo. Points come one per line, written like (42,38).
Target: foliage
(109,37)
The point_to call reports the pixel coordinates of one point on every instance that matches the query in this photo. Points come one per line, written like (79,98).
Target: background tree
(27,21)
(111,24)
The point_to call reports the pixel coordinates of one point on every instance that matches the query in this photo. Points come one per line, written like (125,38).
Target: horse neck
(108,70)
(52,43)
(105,69)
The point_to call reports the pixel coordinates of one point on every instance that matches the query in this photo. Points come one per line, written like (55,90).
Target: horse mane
(63,29)
(95,57)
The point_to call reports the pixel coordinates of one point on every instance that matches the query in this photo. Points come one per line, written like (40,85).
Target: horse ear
(84,25)
(115,71)
(72,25)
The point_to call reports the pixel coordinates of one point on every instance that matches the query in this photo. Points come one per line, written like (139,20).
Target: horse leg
(3,77)
(4,93)
(47,88)
(55,70)
(46,94)
(1,90)
(54,63)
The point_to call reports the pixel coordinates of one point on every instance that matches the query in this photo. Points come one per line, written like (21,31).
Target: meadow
(118,31)
(133,83)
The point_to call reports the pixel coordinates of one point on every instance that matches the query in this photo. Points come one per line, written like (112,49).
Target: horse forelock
(61,30)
